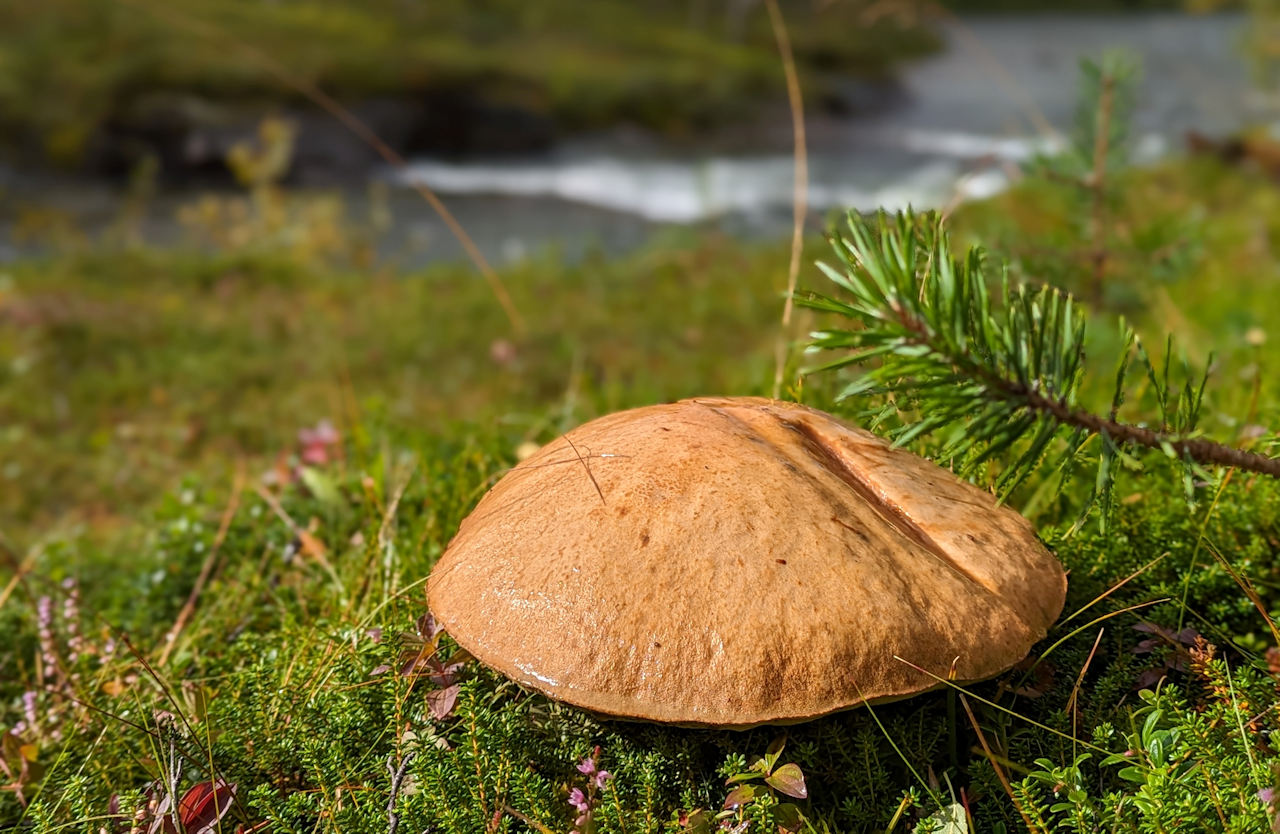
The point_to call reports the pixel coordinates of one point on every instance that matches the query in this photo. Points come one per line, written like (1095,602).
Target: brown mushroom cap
(739,561)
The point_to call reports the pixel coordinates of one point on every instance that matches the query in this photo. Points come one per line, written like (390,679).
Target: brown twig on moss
(397,774)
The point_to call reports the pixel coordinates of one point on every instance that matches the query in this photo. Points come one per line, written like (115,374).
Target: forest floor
(227,477)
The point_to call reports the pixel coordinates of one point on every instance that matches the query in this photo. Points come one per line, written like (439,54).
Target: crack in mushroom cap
(739,561)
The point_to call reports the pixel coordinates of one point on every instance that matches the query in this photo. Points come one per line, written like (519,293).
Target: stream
(951,127)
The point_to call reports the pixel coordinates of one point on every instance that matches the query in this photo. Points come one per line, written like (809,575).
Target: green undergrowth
(287,681)
(152,404)
(123,370)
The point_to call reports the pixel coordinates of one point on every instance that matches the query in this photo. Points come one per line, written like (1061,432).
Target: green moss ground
(133,382)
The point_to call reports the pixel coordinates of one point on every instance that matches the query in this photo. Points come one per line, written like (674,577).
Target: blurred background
(563,124)
(217,227)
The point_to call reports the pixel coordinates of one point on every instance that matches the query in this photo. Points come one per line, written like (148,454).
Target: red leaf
(412,659)
(788,779)
(202,807)
(445,675)
(428,628)
(442,701)
(740,795)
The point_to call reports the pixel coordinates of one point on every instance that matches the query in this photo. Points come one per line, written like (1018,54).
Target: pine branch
(995,374)
(1197,448)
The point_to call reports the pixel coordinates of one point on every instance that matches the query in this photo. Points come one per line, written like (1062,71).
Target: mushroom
(739,561)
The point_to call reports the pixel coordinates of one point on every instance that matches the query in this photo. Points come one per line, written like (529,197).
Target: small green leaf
(321,486)
(775,750)
(788,816)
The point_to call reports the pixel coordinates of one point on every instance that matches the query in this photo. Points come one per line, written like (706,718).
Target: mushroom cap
(740,561)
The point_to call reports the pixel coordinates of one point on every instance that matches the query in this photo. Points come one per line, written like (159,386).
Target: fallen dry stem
(527,820)
(362,131)
(1075,690)
(206,570)
(1004,780)
(800,190)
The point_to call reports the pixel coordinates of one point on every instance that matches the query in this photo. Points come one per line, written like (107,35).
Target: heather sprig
(585,802)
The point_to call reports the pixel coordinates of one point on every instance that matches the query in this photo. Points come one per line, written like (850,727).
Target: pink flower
(316,443)
(584,801)
(503,352)
(30,715)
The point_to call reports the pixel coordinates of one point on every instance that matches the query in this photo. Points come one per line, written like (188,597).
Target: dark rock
(190,137)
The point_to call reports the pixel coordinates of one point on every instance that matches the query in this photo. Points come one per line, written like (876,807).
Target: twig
(397,779)
(188,608)
(1004,780)
(527,820)
(587,467)
(799,199)
(1197,448)
(175,771)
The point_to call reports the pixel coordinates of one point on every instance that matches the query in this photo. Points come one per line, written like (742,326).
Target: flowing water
(951,127)
(955,127)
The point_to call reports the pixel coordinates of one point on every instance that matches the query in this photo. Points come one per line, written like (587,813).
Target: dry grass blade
(1004,780)
(1100,597)
(1093,623)
(986,702)
(206,570)
(350,121)
(307,543)
(1012,87)
(1247,587)
(1075,690)
(801,189)
(20,570)
(587,467)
